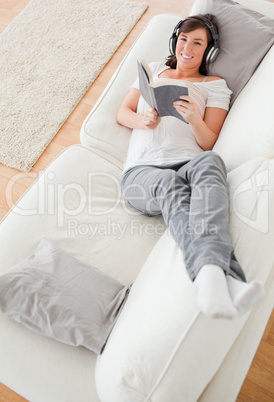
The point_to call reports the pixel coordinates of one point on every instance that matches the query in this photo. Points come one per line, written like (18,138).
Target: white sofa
(161,348)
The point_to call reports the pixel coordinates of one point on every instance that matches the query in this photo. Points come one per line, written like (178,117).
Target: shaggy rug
(50,55)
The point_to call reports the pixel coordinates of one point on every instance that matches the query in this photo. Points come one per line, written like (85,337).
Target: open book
(162,93)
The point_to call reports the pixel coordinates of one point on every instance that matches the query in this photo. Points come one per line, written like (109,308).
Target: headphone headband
(212,50)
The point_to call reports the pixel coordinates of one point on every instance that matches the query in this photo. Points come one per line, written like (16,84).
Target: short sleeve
(218,94)
(135,84)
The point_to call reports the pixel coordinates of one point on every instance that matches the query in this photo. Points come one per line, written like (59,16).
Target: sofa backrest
(248,131)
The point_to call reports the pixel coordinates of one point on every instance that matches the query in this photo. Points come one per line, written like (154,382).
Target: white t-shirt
(173,140)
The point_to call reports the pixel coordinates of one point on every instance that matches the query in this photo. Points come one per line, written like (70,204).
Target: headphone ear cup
(215,53)
(207,54)
(174,43)
(211,54)
(173,39)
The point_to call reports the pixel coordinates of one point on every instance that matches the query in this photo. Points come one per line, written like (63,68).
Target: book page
(145,89)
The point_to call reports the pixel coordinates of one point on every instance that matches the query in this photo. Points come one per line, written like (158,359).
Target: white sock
(213,297)
(245,295)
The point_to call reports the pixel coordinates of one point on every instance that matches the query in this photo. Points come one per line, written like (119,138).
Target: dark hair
(190,25)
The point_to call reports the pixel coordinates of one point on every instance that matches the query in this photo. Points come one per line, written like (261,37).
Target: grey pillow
(245,37)
(56,295)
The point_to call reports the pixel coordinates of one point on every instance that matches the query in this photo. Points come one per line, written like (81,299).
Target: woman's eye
(197,43)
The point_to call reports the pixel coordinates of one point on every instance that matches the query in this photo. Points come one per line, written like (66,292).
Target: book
(161,94)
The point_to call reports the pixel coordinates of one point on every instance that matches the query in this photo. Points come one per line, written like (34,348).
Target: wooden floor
(259,384)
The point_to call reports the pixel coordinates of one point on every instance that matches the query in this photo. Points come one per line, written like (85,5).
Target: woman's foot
(213,296)
(245,295)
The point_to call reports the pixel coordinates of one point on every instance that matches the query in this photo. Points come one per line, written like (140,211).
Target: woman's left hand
(187,107)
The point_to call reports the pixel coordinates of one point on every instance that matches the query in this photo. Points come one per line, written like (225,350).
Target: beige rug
(50,55)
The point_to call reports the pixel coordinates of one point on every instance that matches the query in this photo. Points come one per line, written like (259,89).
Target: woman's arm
(206,130)
(127,114)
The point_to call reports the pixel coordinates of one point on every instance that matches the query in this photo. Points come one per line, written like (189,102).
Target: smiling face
(190,48)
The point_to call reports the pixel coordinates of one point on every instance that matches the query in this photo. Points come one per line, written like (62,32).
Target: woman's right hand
(127,114)
(151,119)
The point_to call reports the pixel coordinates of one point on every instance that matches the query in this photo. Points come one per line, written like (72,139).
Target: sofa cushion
(248,129)
(77,204)
(162,348)
(245,37)
(56,295)
(261,6)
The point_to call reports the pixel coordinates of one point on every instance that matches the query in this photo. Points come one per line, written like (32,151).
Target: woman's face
(190,48)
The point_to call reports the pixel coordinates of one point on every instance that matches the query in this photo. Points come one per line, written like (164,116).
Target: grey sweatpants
(193,200)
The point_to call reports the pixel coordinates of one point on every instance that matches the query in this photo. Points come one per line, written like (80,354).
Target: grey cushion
(245,37)
(56,295)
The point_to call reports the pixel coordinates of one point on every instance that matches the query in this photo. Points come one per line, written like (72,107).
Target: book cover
(162,93)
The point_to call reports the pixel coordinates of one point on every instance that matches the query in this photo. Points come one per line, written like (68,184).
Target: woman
(171,170)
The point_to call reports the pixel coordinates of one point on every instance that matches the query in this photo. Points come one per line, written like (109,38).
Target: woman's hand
(206,130)
(187,108)
(127,114)
(151,118)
